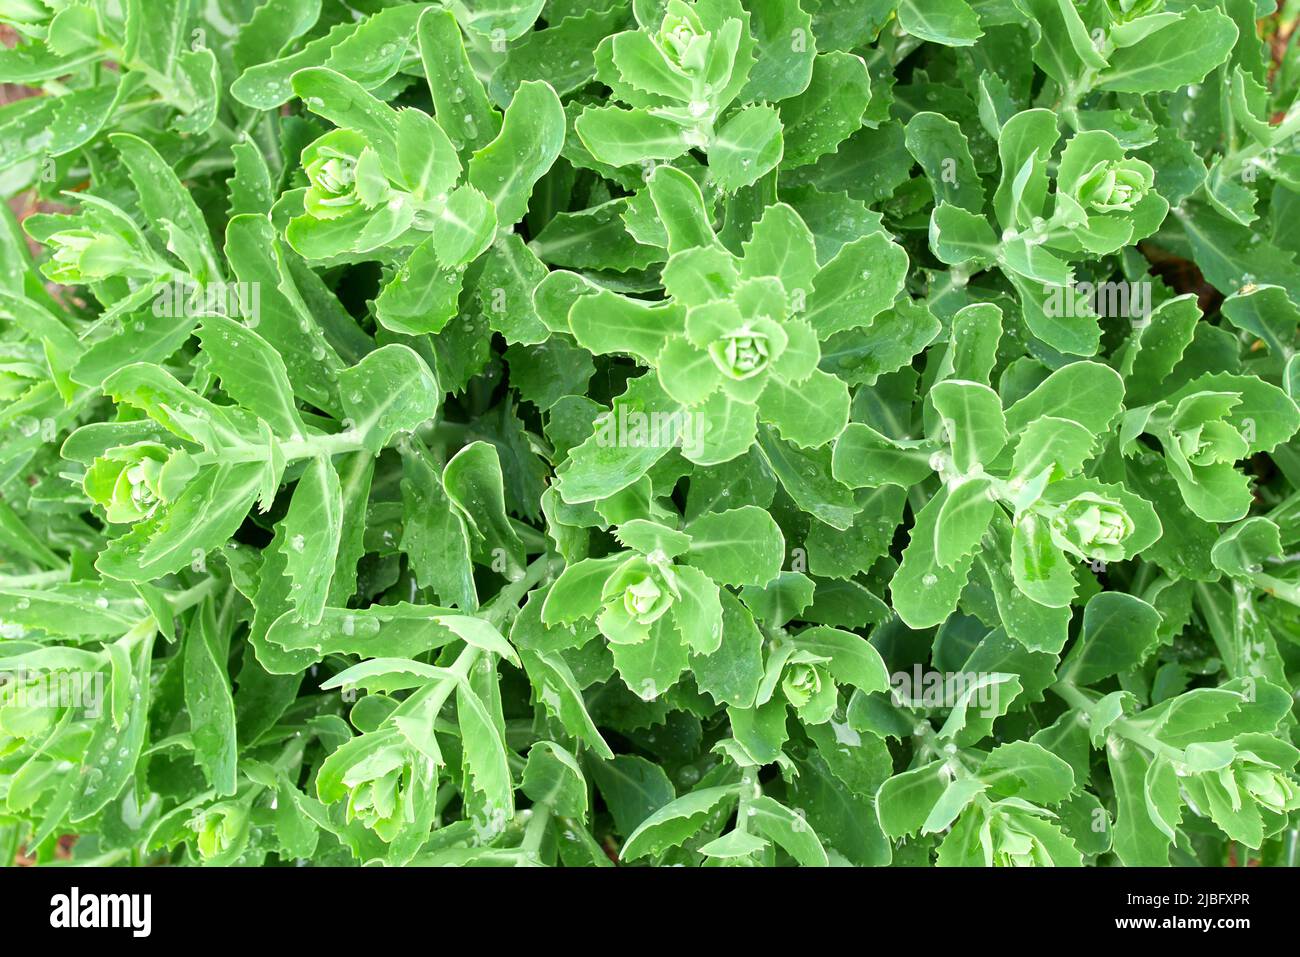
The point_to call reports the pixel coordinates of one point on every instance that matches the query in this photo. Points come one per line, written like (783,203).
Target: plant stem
(535,832)
(749,789)
(506,604)
(35,580)
(187,599)
(1278,588)
(1122,726)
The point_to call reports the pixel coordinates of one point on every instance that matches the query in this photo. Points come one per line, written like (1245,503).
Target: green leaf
(852,660)
(424,295)
(624,137)
(510,273)
(435,536)
(748,147)
(1243,549)
(460,102)
(108,769)
(972,416)
(1181,52)
(905,801)
(861,281)
(1138,840)
(251,373)
(779,600)
(698,612)
(781,245)
(425,157)
(1119,632)
(836,789)
(606,322)
(963,521)
(984,700)
(484,751)
(810,413)
(169,206)
(389,391)
(558,691)
(313,529)
(208,699)
(345,103)
(507,168)
(731,673)
(741,546)
(624,444)
(1040,568)
(651,666)
(675,822)
(958,236)
(1085,392)
(824,114)
(632,788)
(787,829)
(950,22)
(1028,771)
(1062,45)
(941,148)
(680,204)
(864,458)
(955,799)
(924,591)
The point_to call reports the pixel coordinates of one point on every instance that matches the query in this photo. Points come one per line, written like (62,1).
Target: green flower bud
(1210,443)
(1114,185)
(331,166)
(741,354)
(635,596)
(644,598)
(1269,786)
(682,37)
(83,255)
(1013,846)
(128,481)
(649,587)
(800,683)
(808,686)
(219,828)
(1092,526)
(377,788)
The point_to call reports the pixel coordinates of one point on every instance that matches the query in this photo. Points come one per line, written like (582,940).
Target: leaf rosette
(1092,527)
(333,167)
(636,595)
(1105,199)
(220,830)
(682,38)
(382,781)
(1017,840)
(1007,833)
(1246,787)
(1204,430)
(682,78)
(131,482)
(809,687)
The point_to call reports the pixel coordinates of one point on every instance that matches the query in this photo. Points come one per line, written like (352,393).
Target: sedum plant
(667,432)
